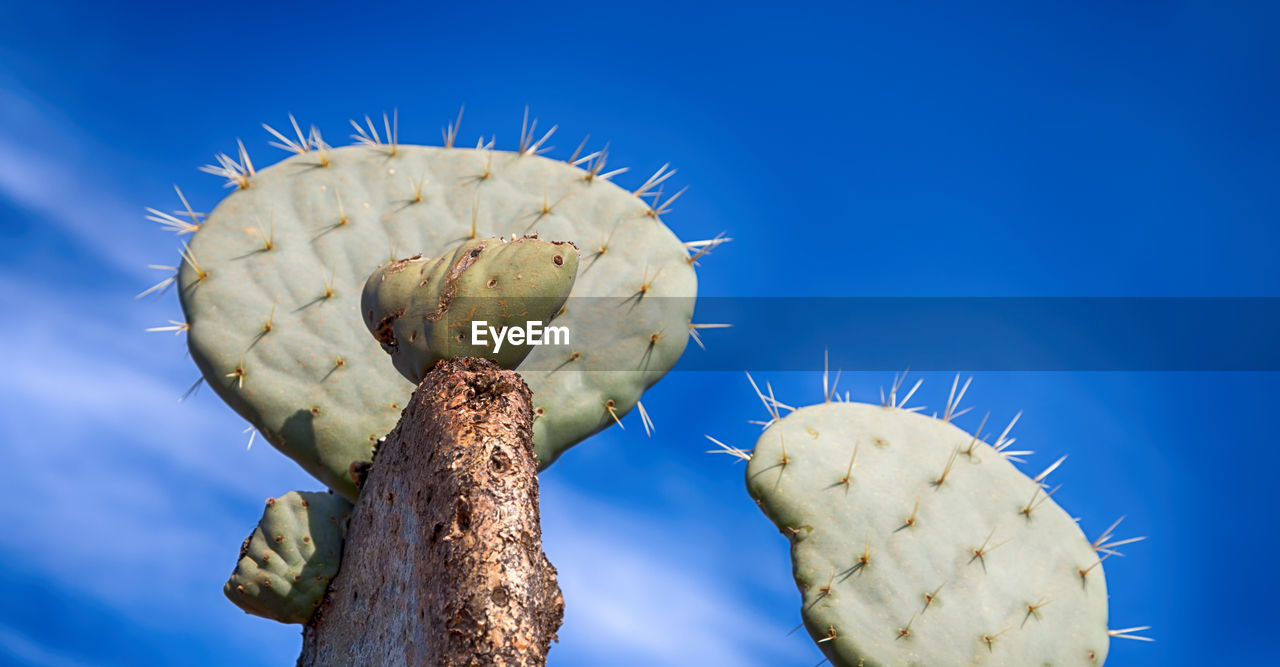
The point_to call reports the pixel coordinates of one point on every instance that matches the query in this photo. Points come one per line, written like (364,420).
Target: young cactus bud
(468,303)
(287,563)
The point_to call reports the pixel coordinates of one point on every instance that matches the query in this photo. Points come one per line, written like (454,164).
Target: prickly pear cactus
(916,543)
(286,564)
(422,310)
(271,286)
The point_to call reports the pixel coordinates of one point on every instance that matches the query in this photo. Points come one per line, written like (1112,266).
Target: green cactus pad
(287,563)
(271,287)
(931,550)
(421,310)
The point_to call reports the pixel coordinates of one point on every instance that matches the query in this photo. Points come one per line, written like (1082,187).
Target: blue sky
(906,150)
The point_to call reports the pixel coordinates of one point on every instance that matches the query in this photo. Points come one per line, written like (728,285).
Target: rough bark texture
(443,563)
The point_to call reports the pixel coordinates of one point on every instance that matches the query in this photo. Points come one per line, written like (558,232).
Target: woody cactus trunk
(444,561)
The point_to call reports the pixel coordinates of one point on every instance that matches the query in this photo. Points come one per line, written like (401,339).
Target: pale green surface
(497,282)
(318,386)
(1028,560)
(291,556)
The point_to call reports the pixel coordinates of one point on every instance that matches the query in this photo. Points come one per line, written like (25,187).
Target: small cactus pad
(286,564)
(421,310)
(271,287)
(916,543)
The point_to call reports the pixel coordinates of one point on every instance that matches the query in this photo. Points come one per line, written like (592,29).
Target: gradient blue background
(1099,149)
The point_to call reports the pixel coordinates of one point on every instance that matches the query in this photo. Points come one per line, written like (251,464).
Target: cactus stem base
(443,563)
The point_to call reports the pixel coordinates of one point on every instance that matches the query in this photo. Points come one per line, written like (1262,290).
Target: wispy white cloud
(46,169)
(639,591)
(117,492)
(23,650)
(107,454)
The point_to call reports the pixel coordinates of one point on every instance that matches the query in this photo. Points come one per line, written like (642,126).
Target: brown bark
(443,563)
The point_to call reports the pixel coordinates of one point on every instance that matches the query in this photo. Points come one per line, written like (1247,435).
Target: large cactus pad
(286,564)
(916,543)
(272,280)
